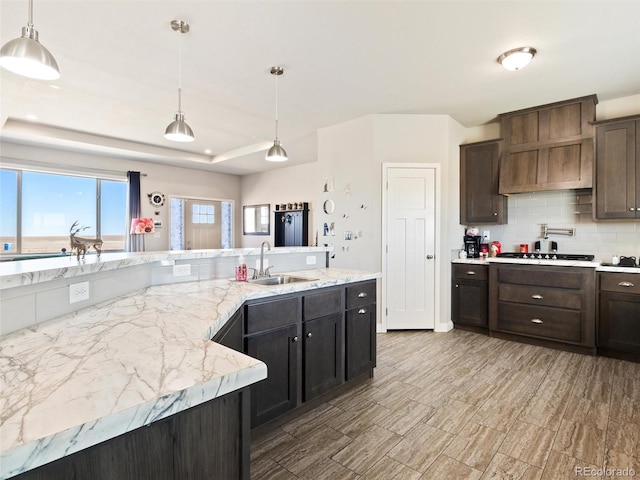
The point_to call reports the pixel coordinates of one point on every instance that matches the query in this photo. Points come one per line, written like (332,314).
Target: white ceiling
(342,60)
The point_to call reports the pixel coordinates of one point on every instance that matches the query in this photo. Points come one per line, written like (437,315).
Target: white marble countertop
(558,263)
(90,376)
(28,272)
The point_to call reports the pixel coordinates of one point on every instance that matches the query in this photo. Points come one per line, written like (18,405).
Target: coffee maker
(472,246)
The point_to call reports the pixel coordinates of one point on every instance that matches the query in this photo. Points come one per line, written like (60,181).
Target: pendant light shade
(276,153)
(179,130)
(26,56)
(517,58)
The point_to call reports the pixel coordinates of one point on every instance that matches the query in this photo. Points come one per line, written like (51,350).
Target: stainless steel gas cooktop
(548,256)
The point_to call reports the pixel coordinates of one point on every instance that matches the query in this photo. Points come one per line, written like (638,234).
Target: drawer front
(546,322)
(322,304)
(534,295)
(620,282)
(361,294)
(563,277)
(271,314)
(472,272)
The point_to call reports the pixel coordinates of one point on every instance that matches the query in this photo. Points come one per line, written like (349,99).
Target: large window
(38,210)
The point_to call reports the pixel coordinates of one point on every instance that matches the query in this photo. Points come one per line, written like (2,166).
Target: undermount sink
(280,280)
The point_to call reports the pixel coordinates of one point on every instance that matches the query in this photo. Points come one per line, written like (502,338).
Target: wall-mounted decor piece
(255,219)
(329,206)
(156,199)
(328,185)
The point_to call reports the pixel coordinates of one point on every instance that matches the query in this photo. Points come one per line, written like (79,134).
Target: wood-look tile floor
(460,405)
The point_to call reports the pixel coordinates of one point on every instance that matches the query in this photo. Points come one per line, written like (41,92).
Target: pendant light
(517,58)
(27,56)
(276,153)
(178,130)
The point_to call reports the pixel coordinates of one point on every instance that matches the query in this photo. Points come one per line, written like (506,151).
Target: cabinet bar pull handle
(362,294)
(295,339)
(626,284)
(471,273)
(362,311)
(537,297)
(309,335)
(536,320)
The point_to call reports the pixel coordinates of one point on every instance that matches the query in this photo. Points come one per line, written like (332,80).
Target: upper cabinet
(549,147)
(480,203)
(617,192)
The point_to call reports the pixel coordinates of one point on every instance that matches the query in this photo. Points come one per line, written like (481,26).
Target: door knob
(429,257)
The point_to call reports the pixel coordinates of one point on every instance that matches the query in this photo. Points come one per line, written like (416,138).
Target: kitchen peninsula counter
(103,371)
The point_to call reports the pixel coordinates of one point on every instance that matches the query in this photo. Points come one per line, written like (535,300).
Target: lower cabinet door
(619,322)
(279,350)
(360,342)
(470,302)
(322,359)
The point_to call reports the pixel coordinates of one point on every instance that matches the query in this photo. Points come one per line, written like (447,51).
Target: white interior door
(202,222)
(411,236)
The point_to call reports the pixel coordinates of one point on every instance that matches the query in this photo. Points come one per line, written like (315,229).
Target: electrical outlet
(486,235)
(311,259)
(183,270)
(78,292)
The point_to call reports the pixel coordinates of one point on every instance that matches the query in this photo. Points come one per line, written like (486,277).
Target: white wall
(293,184)
(171,181)
(351,157)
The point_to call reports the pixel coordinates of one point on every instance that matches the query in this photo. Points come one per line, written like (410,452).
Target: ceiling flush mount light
(276,153)
(27,56)
(517,58)
(178,130)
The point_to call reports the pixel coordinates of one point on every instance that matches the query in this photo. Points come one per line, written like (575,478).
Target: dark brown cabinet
(470,296)
(617,192)
(555,304)
(619,315)
(360,329)
(480,202)
(291,228)
(207,441)
(323,358)
(231,334)
(549,147)
(272,331)
(309,344)
(323,342)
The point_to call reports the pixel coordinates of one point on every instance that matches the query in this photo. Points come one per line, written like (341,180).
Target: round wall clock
(156,199)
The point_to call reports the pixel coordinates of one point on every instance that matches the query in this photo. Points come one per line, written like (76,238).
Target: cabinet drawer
(547,322)
(549,277)
(361,294)
(472,272)
(620,282)
(534,295)
(322,304)
(271,314)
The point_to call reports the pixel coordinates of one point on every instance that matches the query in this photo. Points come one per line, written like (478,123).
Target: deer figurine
(82,244)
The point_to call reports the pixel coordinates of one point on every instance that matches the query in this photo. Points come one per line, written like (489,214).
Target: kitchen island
(96,374)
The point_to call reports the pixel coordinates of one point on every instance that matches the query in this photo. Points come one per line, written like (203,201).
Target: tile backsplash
(560,210)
